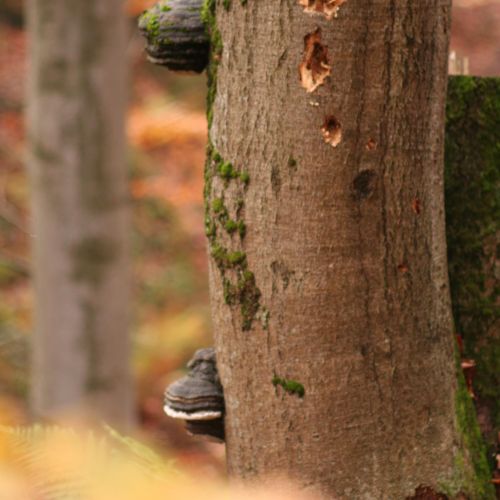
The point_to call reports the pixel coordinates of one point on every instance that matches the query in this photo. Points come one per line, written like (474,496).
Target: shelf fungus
(198,398)
(175,35)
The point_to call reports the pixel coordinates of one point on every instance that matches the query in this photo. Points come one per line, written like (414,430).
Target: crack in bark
(385,142)
(332,131)
(329,8)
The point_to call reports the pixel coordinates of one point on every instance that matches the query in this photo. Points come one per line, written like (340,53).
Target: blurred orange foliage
(135,7)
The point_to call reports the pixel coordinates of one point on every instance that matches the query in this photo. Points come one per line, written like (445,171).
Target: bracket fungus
(198,397)
(176,36)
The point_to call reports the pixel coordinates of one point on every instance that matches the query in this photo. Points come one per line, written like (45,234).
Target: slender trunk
(328,273)
(77,98)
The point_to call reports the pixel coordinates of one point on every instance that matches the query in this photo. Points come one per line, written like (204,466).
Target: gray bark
(76,115)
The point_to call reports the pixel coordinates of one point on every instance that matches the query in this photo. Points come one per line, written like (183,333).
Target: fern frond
(62,464)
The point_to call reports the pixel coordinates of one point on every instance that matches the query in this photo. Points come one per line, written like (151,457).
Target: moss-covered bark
(473,215)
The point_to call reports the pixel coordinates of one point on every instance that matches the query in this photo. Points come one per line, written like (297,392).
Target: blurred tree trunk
(11,12)
(331,307)
(76,99)
(473,230)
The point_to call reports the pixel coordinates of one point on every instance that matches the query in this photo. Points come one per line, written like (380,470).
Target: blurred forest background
(167,137)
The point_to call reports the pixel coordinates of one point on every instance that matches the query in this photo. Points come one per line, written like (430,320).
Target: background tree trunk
(77,98)
(331,306)
(472,227)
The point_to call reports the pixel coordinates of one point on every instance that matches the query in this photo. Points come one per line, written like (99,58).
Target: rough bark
(472,226)
(331,307)
(77,98)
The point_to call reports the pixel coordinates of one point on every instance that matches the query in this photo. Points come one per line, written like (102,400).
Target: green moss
(210,228)
(249,299)
(144,17)
(235,258)
(219,253)
(244,292)
(230,292)
(227,171)
(164,7)
(245,178)
(242,229)
(218,205)
(220,210)
(290,386)
(231,226)
(226,259)
(248,276)
(208,17)
(226,4)
(472,473)
(153,24)
(472,219)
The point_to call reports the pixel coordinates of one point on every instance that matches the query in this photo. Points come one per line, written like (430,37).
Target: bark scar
(315,67)
(332,131)
(329,8)
(364,184)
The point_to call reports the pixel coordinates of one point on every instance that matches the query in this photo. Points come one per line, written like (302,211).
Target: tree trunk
(472,227)
(77,101)
(330,301)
